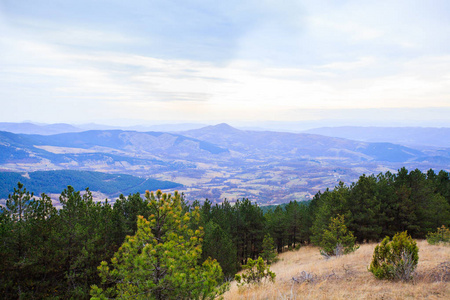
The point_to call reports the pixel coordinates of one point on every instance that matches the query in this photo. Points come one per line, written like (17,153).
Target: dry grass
(346,277)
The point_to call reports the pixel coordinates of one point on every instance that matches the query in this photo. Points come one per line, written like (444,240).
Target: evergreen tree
(294,222)
(26,260)
(250,224)
(330,204)
(336,239)
(218,245)
(128,209)
(388,203)
(277,227)
(80,240)
(365,207)
(442,184)
(268,252)
(160,260)
(405,208)
(396,259)
(255,272)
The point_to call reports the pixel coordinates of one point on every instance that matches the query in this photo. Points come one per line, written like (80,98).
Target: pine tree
(330,204)
(218,245)
(160,260)
(78,239)
(255,272)
(268,252)
(365,206)
(26,226)
(277,227)
(293,223)
(336,239)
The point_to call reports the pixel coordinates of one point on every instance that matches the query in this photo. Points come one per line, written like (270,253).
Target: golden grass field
(346,277)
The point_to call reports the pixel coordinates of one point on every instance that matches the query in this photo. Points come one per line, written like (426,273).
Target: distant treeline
(50,253)
(53,182)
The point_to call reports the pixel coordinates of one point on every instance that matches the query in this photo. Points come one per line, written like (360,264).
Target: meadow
(306,274)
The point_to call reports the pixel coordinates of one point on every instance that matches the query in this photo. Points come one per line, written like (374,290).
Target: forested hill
(54,182)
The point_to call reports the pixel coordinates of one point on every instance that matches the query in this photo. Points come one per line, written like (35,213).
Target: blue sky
(125,62)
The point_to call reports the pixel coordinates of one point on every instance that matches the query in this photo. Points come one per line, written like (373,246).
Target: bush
(255,271)
(396,259)
(336,239)
(441,236)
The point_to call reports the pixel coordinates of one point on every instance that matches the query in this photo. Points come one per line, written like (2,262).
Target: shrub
(396,259)
(255,272)
(337,239)
(441,236)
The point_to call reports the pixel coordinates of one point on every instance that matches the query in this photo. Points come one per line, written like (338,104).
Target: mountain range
(408,136)
(220,161)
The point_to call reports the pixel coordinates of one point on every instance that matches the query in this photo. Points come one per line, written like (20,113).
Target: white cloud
(363,62)
(318,57)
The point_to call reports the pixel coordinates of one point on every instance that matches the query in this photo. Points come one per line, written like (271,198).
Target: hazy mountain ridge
(300,144)
(410,136)
(129,141)
(50,129)
(220,161)
(42,129)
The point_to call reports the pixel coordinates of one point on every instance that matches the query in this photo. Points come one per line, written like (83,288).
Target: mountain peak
(223,126)
(213,130)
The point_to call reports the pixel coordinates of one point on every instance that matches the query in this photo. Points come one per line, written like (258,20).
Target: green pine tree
(336,239)
(218,245)
(268,252)
(160,260)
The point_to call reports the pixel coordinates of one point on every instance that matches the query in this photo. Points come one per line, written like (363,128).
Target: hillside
(218,162)
(346,277)
(53,182)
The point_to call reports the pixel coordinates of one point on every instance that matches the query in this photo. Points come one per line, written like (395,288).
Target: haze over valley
(220,162)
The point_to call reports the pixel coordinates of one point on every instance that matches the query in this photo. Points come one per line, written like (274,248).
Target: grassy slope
(347,277)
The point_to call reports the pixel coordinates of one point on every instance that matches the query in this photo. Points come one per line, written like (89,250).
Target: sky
(143,61)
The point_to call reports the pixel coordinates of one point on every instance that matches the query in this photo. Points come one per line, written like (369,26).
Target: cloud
(228,60)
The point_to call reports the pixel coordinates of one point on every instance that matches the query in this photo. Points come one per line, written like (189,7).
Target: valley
(219,162)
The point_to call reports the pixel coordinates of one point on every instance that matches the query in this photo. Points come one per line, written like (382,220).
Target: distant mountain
(409,136)
(144,128)
(300,144)
(220,161)
(198,145)
(125,145)
(54,182)
(166,127)
(31,128)
(50,129)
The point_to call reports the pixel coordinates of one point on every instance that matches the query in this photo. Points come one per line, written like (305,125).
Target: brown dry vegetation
(346,277)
